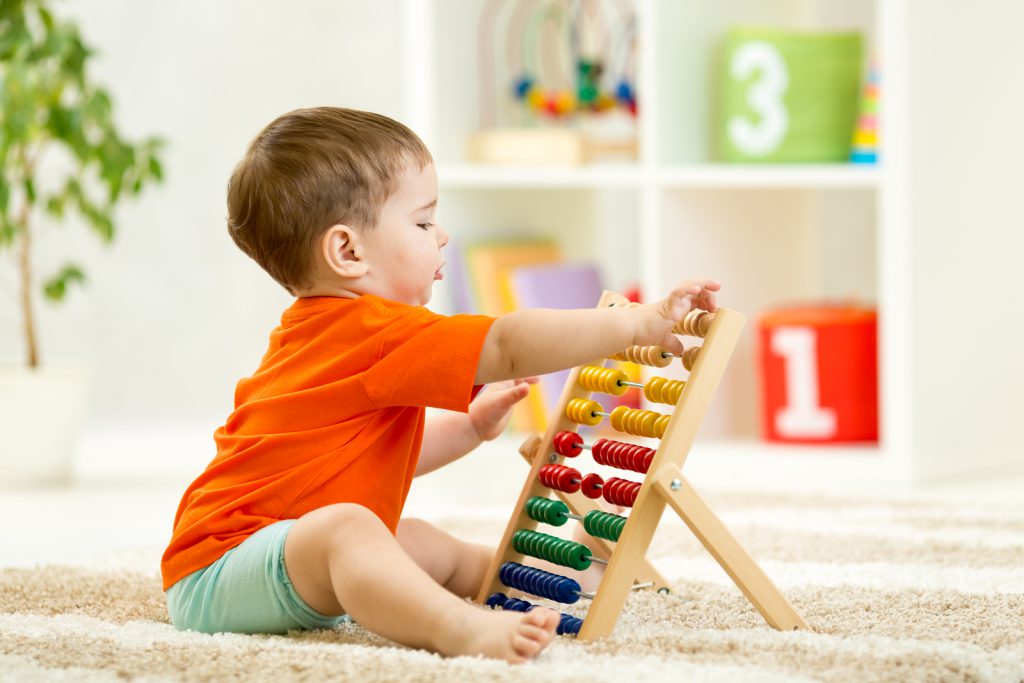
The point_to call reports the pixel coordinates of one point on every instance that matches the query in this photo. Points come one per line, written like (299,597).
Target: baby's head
(338,202)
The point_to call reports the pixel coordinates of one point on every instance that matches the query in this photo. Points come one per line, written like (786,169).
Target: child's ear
(342,251)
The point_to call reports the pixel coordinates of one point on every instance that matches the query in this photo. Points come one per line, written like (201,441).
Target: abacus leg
(727,551)
(342,557)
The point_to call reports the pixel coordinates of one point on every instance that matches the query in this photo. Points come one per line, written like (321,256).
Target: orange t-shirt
(334,414)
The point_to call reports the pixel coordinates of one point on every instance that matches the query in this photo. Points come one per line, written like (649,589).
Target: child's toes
(544,619)
(527,647)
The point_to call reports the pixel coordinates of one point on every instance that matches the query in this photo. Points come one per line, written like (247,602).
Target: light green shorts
(246,591)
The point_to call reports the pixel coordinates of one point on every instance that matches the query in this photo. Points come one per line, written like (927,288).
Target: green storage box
(788,96)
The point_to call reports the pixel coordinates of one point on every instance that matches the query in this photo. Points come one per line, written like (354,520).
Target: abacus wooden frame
(663,485)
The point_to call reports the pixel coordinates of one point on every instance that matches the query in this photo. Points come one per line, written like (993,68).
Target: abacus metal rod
(636,587)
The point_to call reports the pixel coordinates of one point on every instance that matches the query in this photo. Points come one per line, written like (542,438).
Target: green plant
(49,106)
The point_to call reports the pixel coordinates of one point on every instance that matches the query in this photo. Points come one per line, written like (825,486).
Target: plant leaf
(56,287)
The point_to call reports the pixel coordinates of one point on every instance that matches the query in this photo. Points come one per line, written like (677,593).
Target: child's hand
(657,320)
(490,410)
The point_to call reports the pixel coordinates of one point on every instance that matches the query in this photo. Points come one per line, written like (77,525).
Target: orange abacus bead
(690,357)
(656,356)
(585,412)
(664,390)
(696,323)
(605,380)
(639,422)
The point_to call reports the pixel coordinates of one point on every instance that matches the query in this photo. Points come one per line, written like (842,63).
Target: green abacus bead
(551,548)
(553,512)
(604,524)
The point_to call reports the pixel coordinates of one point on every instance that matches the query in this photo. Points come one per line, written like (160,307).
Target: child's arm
(448,436)
(538,341)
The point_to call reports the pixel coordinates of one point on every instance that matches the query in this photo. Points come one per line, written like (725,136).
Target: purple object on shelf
(455,273)
(563,285)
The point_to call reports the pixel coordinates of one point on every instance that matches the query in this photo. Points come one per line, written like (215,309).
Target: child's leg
(342,558)
(460,566)
(457,565)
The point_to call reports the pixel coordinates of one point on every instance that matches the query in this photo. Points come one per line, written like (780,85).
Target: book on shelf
(489,267)
(561,285)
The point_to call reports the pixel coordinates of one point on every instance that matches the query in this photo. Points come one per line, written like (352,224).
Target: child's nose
(442,237)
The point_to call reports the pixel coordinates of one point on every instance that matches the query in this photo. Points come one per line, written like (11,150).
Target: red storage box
(819,371)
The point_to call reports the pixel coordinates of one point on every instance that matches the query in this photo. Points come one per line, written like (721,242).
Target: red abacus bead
(621,491)
(560,477)
(592,485)
(569,444)
(640,459)
(648,459)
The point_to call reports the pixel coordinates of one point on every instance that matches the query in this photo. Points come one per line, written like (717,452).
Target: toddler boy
(297,520)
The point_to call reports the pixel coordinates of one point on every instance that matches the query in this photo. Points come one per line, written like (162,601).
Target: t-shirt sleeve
(428,360)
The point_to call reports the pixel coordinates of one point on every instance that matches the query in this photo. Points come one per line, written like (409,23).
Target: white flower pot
(41,414)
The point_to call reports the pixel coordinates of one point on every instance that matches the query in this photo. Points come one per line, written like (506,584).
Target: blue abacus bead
(497,600)
(569,624)
(517,605)
(522,86)
(568,590)
(539,582)
(506,573)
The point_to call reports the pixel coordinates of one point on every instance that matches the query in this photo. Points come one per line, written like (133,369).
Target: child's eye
(425,226)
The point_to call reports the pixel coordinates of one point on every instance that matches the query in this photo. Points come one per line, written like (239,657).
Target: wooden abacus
(625,539)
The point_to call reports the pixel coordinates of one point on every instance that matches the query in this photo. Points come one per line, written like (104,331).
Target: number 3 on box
(764,98)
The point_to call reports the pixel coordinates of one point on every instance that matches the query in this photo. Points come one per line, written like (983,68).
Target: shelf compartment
(496,176)
(811,176)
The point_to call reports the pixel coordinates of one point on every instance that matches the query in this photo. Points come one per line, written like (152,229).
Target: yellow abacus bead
(639,422)
(663,390)
(656,356)
(660,425)
(582,411)
(605,380)
(645,422)
(690,357)
(617,418)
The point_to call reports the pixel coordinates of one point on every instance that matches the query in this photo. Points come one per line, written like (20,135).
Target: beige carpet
(896,590)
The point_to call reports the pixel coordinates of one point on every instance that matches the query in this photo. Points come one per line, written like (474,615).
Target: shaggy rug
(896,590)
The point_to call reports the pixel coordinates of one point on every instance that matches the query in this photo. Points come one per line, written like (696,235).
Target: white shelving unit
(774,234)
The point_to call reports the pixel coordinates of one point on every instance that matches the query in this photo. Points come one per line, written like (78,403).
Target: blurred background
(849,170)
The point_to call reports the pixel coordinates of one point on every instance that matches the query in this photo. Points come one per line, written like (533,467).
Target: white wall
(174,313)
(966,235)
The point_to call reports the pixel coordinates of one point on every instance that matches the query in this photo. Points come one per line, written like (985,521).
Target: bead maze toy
(624,539)
(556,81)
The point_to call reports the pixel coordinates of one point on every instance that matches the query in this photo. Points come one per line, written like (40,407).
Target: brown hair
(311,169)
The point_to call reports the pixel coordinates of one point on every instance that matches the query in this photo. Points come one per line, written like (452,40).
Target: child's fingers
(707,301)
(696,285)
(672,344)
(513,394)
(528,380)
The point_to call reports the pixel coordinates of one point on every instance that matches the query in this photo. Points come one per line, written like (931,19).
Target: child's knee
(333,527)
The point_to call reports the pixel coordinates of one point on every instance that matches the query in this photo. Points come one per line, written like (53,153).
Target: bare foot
(515,637)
